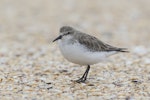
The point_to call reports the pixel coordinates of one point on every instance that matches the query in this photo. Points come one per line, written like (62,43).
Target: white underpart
(77,53)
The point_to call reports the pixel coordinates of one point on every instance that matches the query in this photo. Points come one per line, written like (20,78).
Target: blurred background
(126,21)
(27,28)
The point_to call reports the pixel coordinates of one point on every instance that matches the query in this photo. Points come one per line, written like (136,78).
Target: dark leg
(83,78)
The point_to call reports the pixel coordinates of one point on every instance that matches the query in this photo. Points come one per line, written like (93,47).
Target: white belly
(78,54)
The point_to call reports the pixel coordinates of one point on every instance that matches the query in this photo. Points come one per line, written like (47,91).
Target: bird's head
(65,31)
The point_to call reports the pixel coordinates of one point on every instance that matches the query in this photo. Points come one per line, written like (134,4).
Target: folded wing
(93,44)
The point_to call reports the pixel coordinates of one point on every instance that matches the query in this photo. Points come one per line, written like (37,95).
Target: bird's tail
(123,50)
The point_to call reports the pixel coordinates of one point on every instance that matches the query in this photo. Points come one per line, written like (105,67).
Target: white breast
(77,53)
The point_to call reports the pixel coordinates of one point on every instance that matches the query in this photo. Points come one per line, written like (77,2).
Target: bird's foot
(81,80)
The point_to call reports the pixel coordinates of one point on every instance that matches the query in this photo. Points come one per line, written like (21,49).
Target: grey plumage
(90,42)
(93,44)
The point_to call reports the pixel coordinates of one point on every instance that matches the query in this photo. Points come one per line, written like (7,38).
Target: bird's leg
(83,78)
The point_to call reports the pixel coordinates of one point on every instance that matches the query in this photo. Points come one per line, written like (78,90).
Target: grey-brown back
(94,44)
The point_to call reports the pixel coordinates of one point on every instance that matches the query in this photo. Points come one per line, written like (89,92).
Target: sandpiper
(83,49)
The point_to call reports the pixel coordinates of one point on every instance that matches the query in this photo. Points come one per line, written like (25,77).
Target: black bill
(59,37)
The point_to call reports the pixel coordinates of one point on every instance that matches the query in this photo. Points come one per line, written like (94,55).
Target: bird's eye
(68,33)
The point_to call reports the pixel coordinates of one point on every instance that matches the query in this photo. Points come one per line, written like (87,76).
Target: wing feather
(94,44)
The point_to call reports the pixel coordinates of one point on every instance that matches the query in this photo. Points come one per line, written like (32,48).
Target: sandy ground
(32,67)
